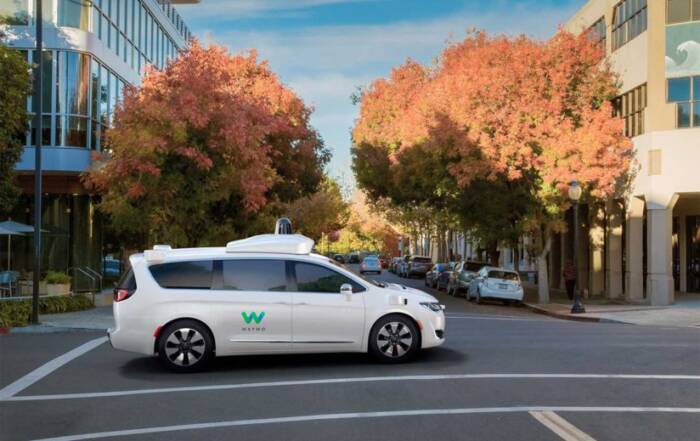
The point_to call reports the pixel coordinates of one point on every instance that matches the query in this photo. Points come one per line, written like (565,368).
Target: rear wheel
(185,346)
(394,339)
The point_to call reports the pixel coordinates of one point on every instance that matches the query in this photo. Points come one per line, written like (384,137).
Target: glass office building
(92,51)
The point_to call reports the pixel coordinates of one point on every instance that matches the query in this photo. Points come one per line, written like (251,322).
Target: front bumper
(433,331)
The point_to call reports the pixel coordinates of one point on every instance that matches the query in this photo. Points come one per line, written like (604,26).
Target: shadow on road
(285,364)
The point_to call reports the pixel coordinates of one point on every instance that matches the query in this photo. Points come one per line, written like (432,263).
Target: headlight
(433,306)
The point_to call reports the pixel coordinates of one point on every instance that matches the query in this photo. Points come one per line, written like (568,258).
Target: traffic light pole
(38,102)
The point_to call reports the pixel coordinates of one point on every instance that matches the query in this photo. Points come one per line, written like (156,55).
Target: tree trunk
(516,258)
(464,246)
(542,271)
(493,253)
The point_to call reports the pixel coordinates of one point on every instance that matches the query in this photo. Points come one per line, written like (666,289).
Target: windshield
(361,276)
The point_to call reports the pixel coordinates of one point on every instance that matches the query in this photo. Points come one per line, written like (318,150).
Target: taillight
(122,294)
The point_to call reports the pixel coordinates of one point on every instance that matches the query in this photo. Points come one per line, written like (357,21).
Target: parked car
(432,276)
(178,303)
(462,276)
(370,264)
(353,258)
(394,264)
(416,266)
(496,283)
(384,261)
(444,277)
(340,258)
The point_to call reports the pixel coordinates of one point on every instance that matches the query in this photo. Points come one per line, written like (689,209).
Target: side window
(184,275)
(254,275)
(317,278)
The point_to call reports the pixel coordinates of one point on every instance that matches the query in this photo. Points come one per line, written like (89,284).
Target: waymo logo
(252,317)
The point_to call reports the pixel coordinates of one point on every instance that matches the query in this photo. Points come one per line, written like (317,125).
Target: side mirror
(346,289)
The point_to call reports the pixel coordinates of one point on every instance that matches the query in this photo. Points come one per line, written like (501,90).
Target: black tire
(194,338)
(393,329)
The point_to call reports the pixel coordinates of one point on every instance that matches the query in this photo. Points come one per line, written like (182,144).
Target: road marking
(44,370)
(558,425)
(364,415)
(403,378)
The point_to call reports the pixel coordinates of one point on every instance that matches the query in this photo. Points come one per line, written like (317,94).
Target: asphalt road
(503,374)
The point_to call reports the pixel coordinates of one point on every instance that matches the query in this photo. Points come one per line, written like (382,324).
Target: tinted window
(127,281)
(254,275)
(473,266)
(190,275)
(316,278)
(422,260)
(503,275)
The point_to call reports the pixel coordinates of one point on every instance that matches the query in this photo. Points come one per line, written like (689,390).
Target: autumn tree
(202,149)
(531,115)
(320,213)
(14,88)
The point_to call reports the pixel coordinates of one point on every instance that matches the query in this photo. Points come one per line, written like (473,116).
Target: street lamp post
(38,101)
(575,195)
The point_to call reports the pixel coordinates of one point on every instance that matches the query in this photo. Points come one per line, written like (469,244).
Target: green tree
(14,89)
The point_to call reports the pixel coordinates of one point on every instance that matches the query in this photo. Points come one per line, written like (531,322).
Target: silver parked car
(496,283)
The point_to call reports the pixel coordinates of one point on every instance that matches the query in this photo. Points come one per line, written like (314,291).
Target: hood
(407,291)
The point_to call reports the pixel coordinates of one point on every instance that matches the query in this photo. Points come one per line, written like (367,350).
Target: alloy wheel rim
(394,339)
(185,347)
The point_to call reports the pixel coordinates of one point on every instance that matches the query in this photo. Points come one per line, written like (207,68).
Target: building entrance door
(693,253)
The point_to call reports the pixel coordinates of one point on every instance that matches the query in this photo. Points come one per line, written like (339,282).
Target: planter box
(55,289)
(26,286)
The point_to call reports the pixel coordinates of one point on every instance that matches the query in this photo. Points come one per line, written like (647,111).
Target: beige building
(646,246)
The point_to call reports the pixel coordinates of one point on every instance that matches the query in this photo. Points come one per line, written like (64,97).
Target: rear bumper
(502,294)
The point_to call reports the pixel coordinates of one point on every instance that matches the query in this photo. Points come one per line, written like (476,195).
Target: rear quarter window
(196,274)
(127,281)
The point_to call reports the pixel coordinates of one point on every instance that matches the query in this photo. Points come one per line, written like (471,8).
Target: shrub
(57,277)
(18,312)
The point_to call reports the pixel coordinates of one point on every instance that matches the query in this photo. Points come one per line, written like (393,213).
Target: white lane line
(361,415)
(558,425)
(44,370)
(402,378)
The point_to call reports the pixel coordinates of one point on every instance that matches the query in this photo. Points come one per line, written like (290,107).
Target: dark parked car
(340,258)
(416,266)
(394,265)
(462,276)
(354,258)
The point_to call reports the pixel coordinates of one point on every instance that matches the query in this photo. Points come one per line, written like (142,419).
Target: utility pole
(38,106)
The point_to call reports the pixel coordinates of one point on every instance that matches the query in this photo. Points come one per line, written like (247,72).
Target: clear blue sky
(325,49)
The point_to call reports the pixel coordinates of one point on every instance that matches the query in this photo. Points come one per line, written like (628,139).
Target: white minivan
(263,295)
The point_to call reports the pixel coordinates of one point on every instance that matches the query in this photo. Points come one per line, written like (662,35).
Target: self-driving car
(267,294)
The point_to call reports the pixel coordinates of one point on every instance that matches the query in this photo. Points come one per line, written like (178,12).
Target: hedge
(18,312)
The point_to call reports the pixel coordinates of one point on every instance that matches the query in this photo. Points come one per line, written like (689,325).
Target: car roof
(497,268)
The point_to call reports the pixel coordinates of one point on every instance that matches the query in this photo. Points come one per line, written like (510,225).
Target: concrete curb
(575,318)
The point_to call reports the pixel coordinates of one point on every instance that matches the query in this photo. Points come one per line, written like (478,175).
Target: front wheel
(394,339)
(185,346)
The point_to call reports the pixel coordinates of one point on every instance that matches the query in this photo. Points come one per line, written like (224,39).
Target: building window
(630,106)
(680,11)
(597,32)
(74,14)
(685,92)
(14,12)
(629,20)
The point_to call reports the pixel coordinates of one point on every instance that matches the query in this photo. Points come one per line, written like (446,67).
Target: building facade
(645,246)
(92,50)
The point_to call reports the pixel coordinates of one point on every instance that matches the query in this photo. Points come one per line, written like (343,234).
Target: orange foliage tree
(532,114)
(202,146)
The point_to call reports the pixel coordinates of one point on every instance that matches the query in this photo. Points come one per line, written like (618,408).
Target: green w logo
(253,316)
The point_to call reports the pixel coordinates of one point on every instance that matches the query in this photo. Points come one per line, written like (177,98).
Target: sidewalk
(95,319)
(685,312)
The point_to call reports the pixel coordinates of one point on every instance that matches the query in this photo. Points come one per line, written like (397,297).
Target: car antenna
(283,226)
